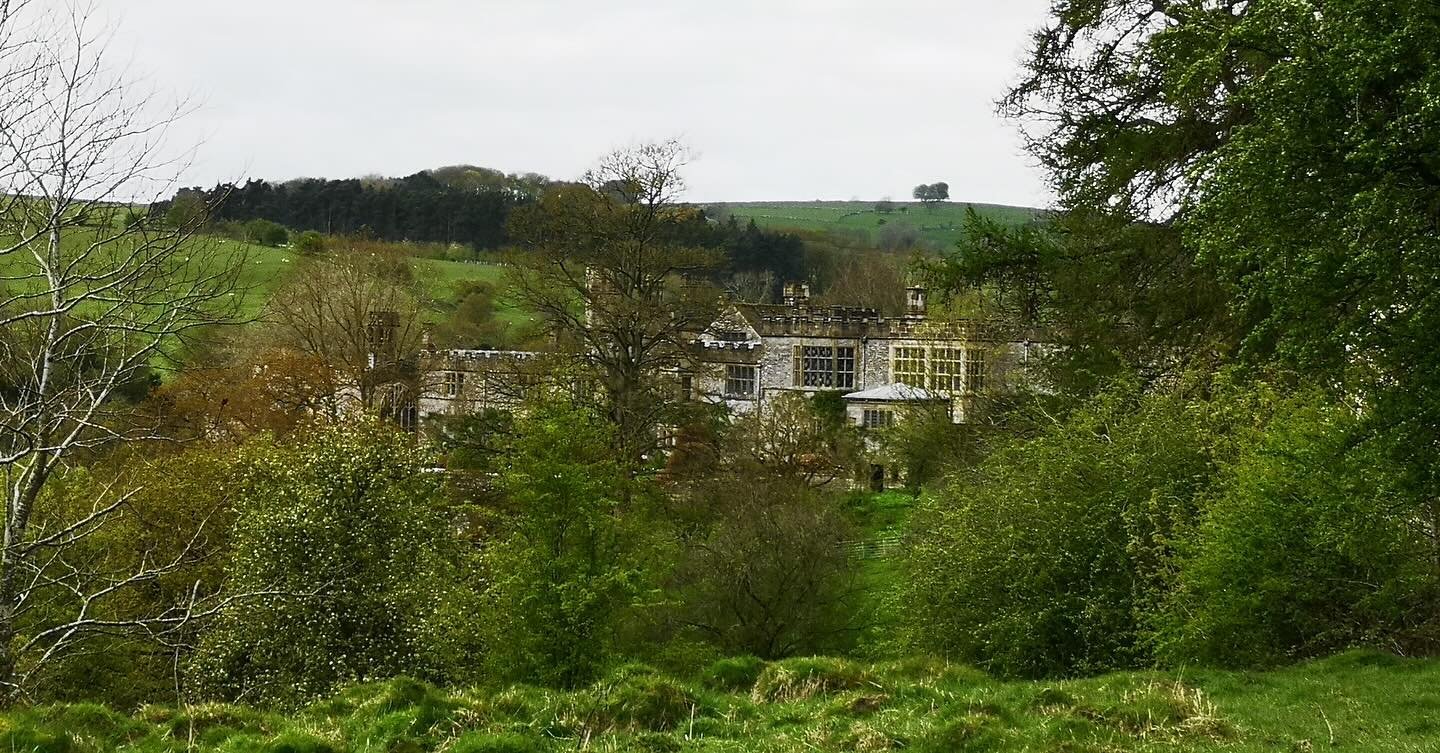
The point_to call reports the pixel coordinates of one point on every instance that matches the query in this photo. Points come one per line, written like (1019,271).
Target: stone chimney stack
(797,294)
(915,300)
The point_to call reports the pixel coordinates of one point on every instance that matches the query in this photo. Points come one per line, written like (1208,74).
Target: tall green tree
(565,567)
(1292,147)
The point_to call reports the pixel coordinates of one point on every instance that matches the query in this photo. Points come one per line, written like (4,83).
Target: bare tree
(752,286)
(787,437)
(355,312)
(610,273)
(91,297)
(872,279)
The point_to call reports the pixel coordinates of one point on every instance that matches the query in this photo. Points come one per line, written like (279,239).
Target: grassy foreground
(1360,701)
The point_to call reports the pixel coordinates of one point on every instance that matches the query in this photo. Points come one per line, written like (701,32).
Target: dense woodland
(1228,459)
(462,205)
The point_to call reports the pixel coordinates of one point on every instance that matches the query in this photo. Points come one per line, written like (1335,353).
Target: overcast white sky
(780,99)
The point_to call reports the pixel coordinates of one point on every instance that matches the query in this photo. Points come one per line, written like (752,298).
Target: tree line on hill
(454,205)
(459,207)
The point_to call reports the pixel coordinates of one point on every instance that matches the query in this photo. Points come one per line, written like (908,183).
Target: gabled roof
(730,330)
(898,392)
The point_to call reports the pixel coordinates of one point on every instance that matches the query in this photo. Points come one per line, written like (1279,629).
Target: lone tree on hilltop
(932,193)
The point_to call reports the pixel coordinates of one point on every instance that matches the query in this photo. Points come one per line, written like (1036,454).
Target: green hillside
(939,225)
(1358,702)
(266,268)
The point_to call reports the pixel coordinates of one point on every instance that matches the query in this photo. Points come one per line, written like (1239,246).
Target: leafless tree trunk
(92,295)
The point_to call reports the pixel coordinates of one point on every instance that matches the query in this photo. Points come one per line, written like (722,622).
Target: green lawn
(1361,701)
(941,225)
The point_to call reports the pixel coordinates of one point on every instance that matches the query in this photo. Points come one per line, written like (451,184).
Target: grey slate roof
(898,392)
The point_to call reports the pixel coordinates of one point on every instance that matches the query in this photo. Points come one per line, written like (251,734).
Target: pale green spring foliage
(351,532)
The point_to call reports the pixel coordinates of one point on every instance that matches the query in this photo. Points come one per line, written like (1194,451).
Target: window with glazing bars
(454,383)
(739,380)
(974,370)
(824,366)
(945,374)
(876,418)
(845,368)
(818,369)
(907,365)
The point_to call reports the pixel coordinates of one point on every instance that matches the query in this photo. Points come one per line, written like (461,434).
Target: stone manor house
(754,352)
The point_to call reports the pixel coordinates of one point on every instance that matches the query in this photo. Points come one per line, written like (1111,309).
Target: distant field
(941,226)
(266,268)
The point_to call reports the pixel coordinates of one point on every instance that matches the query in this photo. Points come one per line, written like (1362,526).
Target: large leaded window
(945,364)
(845,368)
(739,381)
(943,369)
(824,366)
(974,370)
(819,366)
(908,366)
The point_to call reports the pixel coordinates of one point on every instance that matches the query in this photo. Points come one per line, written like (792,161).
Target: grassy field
(266,268)
(941,225)
(1359,702)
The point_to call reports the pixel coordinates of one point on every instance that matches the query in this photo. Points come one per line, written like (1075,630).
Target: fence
(871,549)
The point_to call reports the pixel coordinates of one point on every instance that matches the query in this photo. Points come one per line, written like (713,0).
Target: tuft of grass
(802,679)
(641,701)
(478,742)
(27,739)
(1159,710)
(300,742)
(971,732)
(735,674)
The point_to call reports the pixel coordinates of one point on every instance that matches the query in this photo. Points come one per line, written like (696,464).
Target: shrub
(346,524)
(266,233)
(1046,559)
(1238,524)
(768,576)
(310,243)
(1310,545)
